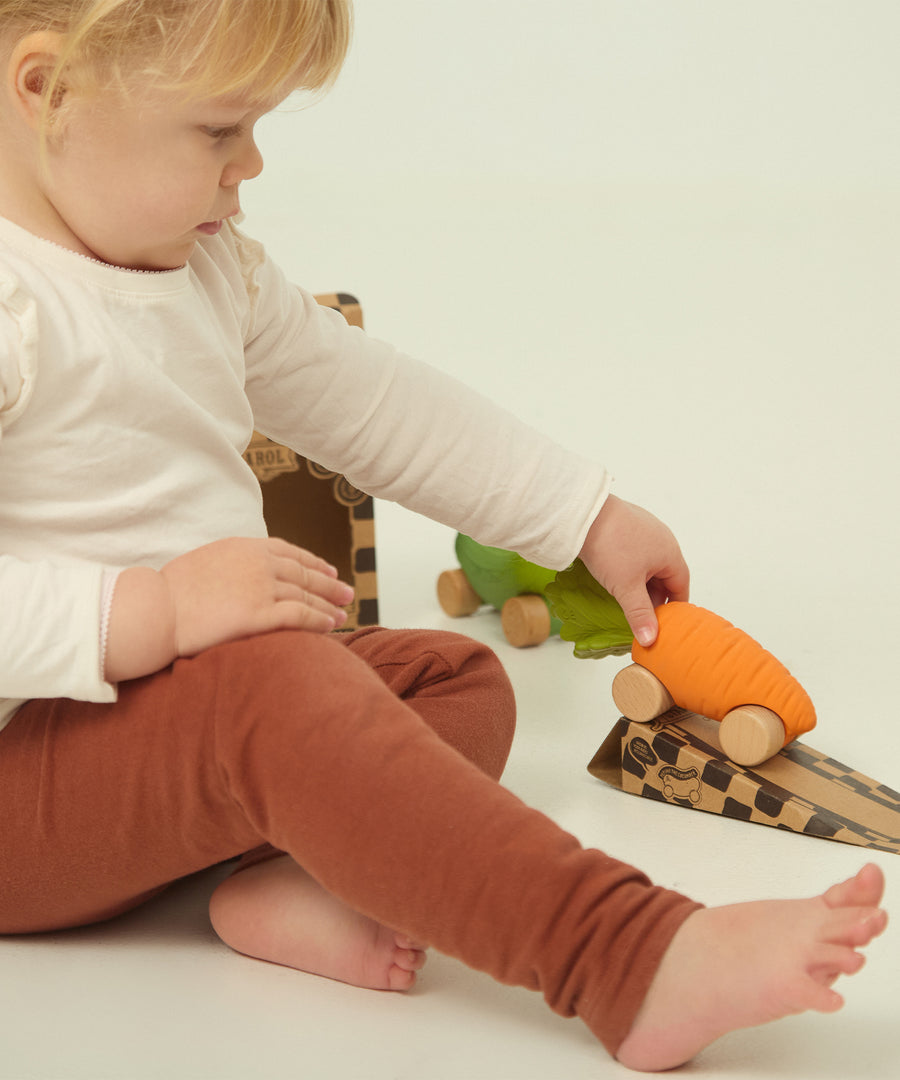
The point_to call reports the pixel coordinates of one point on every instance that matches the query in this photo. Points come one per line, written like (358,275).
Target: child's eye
(218,133)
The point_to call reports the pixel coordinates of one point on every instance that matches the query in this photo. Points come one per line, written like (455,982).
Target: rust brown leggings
(372,758)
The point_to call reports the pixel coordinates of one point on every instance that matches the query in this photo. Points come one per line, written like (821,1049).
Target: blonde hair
(203,48)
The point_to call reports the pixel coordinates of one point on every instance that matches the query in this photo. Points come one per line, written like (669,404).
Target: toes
(826,1000)
(835,960)
(404,942)
(409,959)
(409,955)
(400,979)
(876,923)
(855,926)
(402,972)
(865,889)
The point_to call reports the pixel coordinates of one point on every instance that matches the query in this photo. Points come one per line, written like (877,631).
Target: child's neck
(23,199)
(40,220)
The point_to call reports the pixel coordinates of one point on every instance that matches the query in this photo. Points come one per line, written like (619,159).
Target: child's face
(138,182)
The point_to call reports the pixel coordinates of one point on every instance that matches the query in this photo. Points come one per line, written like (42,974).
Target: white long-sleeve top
(128,398)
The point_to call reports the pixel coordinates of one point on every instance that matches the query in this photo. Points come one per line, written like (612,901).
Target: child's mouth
(210,228)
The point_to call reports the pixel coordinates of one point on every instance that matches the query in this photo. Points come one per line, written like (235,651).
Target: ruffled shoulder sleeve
(18,347)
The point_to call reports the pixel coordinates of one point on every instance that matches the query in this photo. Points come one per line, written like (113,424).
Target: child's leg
(107,804)
(272,909)
(400,827)
(293,739)
(511,894)
(458,687)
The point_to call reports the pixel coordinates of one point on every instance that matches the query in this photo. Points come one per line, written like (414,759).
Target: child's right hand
(637,559)
(222,591)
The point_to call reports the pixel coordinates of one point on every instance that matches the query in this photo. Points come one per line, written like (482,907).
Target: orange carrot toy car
(703,663)
(699,661)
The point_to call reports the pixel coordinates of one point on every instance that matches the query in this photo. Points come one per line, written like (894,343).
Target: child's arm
(404,431)
(635,557)
(219,592)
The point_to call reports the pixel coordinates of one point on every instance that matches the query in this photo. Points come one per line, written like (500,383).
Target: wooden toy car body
(505,581)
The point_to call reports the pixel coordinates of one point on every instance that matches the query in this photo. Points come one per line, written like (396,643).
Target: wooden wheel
(455,595)
(525,620)
(751,734)
(639,695)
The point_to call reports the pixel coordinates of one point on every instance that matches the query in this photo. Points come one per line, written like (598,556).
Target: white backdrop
(666,231)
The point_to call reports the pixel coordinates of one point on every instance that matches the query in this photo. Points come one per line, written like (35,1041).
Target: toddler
(172,694)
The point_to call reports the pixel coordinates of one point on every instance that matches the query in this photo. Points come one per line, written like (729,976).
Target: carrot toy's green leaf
(591,618)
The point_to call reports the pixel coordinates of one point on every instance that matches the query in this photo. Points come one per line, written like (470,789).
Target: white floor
(694,279)
(154,995)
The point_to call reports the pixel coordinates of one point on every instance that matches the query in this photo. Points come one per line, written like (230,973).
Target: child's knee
(497,688)
(480,717)
(289,679)
(455,684)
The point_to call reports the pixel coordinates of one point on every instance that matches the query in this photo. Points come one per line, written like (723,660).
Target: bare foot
(746,964)
(275,911)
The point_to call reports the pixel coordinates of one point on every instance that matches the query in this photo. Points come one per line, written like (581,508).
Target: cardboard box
(321,510)
(677,759)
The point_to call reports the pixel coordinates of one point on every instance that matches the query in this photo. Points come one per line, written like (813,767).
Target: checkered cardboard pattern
(321,510)
(677,759)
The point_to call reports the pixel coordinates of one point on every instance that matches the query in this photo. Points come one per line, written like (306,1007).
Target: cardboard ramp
(677,759)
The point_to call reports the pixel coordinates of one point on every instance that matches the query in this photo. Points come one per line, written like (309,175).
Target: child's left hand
(224,590)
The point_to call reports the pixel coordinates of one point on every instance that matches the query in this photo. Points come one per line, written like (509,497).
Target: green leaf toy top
(591,619)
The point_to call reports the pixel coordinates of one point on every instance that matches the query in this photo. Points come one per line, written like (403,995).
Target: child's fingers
(296,608)
(310,573)
(287,550)
(670,584)
(300,615)
(314,582)
(638,610)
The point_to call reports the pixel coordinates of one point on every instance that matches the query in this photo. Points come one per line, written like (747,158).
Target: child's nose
(246,164)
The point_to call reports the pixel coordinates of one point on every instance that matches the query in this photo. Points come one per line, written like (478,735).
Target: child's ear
(30,74)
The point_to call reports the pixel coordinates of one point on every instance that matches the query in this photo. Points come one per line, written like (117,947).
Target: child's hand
(636,558)
(219,592)
(235,588)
